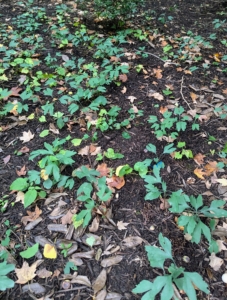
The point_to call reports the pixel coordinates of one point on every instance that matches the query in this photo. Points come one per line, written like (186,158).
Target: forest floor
(89,114)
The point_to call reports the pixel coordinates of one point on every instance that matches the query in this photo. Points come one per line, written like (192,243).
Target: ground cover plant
(113,150)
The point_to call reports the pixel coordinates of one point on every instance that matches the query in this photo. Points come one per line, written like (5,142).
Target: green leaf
(90,241)
(69,266)
(169,149)
(29,197)
(142,287)
(126,135)
(6,268)
(20,184)
(6,283)
(214,210)
(84,191)
(30,252)
(196,202)
(178,201)
(151,148)
(141,168)
(157,256)
(44,133)
(76,142)
(188,282)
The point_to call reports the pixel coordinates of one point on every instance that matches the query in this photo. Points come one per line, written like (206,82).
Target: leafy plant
(192,213)
(5,269)
(184,152)
(186,281)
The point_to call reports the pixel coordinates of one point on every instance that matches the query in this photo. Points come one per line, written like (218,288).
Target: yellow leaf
(49,251)
(31,116)
(43,174)
(199,173)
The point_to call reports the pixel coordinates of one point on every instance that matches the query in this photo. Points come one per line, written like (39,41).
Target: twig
(74,289)
(181,88)
(176,292)
(152,55)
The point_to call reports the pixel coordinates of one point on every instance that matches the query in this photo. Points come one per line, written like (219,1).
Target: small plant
(5,269)
(176,276)
(54,160)
(95,186)
(184,152)
(192,213)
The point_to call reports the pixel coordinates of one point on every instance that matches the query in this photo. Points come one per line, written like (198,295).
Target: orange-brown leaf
(123,77)
(198,158)
(211,167)
(103,169)
(22,171)
(199,173)
(116,182)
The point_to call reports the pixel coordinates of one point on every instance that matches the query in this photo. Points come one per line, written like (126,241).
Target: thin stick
(176,292)
(181,91)
(152,55)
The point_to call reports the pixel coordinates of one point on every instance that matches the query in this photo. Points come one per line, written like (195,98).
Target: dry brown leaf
(224,91)
(56,273)
(187,72)
(32,215)
(20,197)
(53,129)
(103,169)
(116,182)
(14,92)
(211,167)
(94,225)
(124,90)
(84,151)
(157,96)
(81,280)
(163,109)
(221,245)
(27,136)
(157,73)
(24,150)
(215,262)
(115,59)
(132,241)
(164,203)
(67,218)
(22,171)
(131,98)
(123,77)
(100,281)
(179,69)
(121,225)
(222,181)
(198,158)
(101,295)
(27,273)
(94,150)
(110,261)
(194,96)
(199,173)
(43,273)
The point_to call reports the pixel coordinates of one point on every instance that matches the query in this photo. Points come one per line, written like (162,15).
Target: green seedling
(184,152)
(5,269)
(177,276)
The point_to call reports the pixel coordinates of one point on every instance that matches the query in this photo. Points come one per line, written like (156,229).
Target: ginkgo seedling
(50,251)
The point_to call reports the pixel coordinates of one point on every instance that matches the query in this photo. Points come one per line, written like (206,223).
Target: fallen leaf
(157,96)
(14,92)
(131,98)
(27,136)
(100,281)
(32,216)
(101,295)
(67,218)
(6,159)
(84,151)
(35,288)
(211,167)
(115,181)
(94,225)
(115,59)
(124,90)
(43,273)
(24,150)
(222,181)
(165,204)
(163,109)
(157,73)
(198,158)
(94,150)
(49,251)
(20,197)
(103,169)
(22,171)
(215,262)
(132,241)
(107,262)
(221,245)
(121,225)
(194,96)
(56,273)
(53,129)
(199,173)
(27,273)
(81,280)
(113,296)
(123,77)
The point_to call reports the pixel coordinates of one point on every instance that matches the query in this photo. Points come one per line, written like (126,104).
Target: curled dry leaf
(124,90)
(94,225)
(123,77)
(157,96)
(93,150)
(100,281)
(211,167)
(164,203)
(27,273)
(67,218)
(132,241)
(198,158)
(84,151)
(116,182)
(81,280)
(22,171)
(107,262)
(215,262)
(88,254)
(24,150)
(31,215)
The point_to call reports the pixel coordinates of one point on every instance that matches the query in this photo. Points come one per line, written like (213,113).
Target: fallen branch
(181,92)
